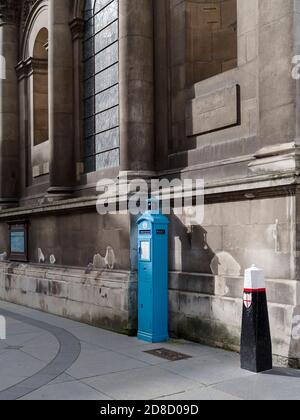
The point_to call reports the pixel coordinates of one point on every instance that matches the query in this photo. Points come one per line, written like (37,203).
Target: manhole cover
(170,355)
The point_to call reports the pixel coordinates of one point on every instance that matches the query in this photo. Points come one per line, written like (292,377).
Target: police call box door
(153,276)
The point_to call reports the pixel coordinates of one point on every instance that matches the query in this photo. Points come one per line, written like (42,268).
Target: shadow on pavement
(283,372)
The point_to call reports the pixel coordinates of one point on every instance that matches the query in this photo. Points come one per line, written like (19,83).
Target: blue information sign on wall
(18,236)
(17,242)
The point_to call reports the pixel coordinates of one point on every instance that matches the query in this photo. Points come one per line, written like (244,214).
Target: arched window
(40,88)
(101,85)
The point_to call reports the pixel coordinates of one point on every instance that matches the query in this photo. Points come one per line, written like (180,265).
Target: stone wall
(216,118)
(92,278)
(207,268)
(106,299)
(219,51)
(76,239)
(211,36)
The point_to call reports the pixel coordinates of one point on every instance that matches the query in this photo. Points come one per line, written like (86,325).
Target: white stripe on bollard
(254,279)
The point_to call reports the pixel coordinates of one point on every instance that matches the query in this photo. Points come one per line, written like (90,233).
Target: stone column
(9,136)
(23,71)
(278,103)
(162,106)
(277,89)
(61,127)
(136,85)
(77,27)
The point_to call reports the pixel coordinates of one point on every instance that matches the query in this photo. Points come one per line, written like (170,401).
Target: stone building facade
(152,88)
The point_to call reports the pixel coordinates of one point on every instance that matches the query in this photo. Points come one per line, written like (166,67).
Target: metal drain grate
(170,355)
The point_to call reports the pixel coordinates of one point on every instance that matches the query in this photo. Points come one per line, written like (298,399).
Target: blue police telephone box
(153,276)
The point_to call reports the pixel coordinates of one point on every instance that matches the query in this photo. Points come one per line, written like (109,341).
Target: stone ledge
(280,292)
(276,159)
(265,185)
(76,274)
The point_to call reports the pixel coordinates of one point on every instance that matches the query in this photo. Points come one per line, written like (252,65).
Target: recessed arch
(35,22)
(40,46)
(40,87)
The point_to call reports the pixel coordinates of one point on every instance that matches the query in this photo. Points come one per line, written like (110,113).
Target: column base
(59,193)
(131,175)
(8,203)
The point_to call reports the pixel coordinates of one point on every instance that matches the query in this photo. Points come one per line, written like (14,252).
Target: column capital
(77,28)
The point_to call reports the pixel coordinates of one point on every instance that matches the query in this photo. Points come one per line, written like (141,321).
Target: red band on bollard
(255,290)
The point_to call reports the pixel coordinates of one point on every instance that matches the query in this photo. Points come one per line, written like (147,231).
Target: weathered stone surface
(104,299)
(172,56)
(213,111)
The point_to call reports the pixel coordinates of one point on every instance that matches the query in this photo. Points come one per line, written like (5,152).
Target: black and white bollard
(256,345)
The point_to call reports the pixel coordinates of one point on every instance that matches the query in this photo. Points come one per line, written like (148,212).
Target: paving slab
(102,363)
(271,386)
(208,369)
(66,391)
(202,394)
(141,384)
(46,357)
(62,379)
(106,339)
(44,347)
(16,364)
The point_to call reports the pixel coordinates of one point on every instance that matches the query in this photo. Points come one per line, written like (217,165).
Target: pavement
(45,357)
